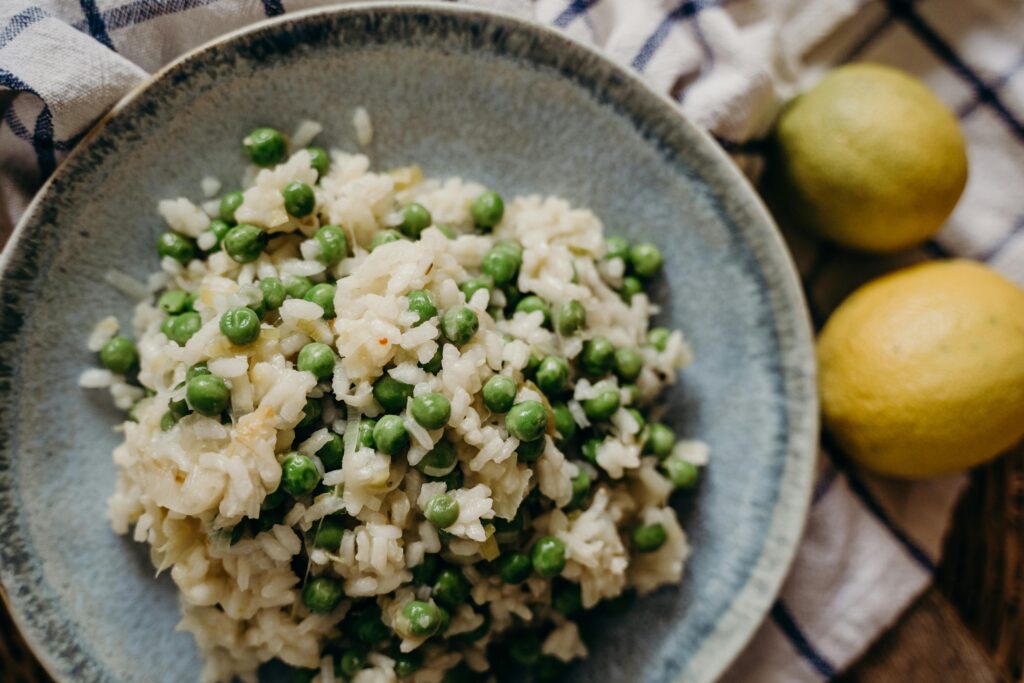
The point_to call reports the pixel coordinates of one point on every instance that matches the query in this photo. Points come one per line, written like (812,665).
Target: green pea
(474,285)
(616,247)
(459,324)
(422,305)
(322,594)
(244,243)
(569,317)
(179,408)
(501,264)
(367,625)
(660,440)
(548,556)
(173,301)
(453,480)
(219,228)
(415,219)
(427,571)
(333,244)
(509,531)
(565,423)
(424,618)
(196,370)
(682,473)
(589,449)
(365,433)
(264,146)
(514,567)
(303,675)
(580,489)
(407,663)
(179,248)
(311,413)
(433,366)
(207,394)
(299,475)
(631,286)
(487,210)
(597,356)
(658,337)
(530,451)
(645,258)
(439,461)
(274,293)
(628,364)
(527,420)
(567,598)
(318,359)
(532,303)
(391,394)
(119,354)
(531,365)
(332,453)
(632,393)
(442,511)
(451,588)
(431,410)
(524,648)
(648,538)
(390,436)
(552,376)
(382,237)
(299,200)
(258,308)
(323,296)
(351,662)
(318,160)
(229,203)
(180,328)
(240,325)
(167,421)
(329,535)
(602,406)
(296,287)
(499,393)
(638,416)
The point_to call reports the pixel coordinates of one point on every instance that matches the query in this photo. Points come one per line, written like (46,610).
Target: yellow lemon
(868,158)
(922,370)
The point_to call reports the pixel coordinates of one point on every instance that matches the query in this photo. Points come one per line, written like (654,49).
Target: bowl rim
(722,645)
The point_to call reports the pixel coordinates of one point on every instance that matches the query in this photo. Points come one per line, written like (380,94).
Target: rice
(272,566)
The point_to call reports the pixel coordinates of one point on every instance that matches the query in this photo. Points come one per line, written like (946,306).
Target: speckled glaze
(462,92)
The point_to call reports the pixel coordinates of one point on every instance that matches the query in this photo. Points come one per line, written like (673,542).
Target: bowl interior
(460,93)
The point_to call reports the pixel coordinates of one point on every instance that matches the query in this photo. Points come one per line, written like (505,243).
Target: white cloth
(870,545)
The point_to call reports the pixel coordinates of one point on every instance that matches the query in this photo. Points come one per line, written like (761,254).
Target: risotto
(382,426)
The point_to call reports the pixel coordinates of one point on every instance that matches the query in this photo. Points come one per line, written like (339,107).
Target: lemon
(868,158)
(922,370)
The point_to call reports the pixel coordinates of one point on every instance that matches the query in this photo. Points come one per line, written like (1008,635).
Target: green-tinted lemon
(868,158)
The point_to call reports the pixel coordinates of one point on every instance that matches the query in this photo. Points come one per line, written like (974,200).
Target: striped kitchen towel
(871,545)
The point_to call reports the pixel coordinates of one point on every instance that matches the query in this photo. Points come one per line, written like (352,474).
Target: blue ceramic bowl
(463,92)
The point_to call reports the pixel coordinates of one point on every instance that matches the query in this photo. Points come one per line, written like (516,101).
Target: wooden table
(969,628)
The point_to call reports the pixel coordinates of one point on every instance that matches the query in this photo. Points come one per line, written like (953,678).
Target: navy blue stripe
(97,27)
(787,624)
(995,85)
(273,8)
(904,11)
(42,136)
(19,22)
(862,492)
(19,129)
(575,8)
(868,38)
(686,10)
(141,11)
